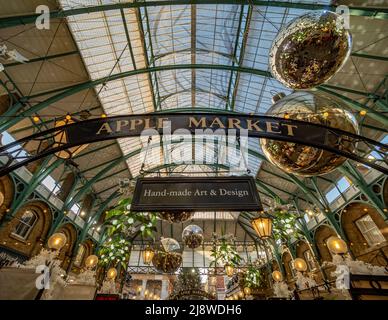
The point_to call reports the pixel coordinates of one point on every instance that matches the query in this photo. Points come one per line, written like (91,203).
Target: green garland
(252,277)
(122,226)
(225,252)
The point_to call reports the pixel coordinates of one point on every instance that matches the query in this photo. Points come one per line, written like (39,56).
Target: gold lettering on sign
(271,126)
(147,124)
(196,123)
(135,122)
(105,127)
(253,125)
(217,122)
(120,124)
(233,122)
(290,127)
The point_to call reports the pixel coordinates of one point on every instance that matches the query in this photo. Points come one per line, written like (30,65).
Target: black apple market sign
(101,129)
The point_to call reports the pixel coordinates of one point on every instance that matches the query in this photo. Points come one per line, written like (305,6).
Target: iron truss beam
(377,13)
(10,118)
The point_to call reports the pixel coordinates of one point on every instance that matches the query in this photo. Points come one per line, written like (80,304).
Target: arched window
(80,256)
(308,257)
(292,267)
(1,198)
(25,224)
(370,230)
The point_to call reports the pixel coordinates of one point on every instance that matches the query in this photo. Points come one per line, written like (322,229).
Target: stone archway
(29,242)
(87,249)
(67,251)
(303,251)
(367,233)
(7,190)
(322,233)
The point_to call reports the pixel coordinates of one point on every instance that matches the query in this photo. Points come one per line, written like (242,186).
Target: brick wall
(358,243)
(38,235)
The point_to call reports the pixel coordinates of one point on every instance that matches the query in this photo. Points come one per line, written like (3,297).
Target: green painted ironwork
(377,13)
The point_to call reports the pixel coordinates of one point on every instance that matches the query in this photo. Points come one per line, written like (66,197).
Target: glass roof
(116,41)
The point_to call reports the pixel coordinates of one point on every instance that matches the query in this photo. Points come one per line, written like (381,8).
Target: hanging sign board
(148,125)
(176,194)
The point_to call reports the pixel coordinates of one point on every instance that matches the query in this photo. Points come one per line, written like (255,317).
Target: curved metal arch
(197,90)
(10,117)
(197,50)
(378,13)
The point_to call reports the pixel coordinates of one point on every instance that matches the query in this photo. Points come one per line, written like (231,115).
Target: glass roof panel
(212,35)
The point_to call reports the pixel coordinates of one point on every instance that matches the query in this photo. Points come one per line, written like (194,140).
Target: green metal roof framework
(17,112)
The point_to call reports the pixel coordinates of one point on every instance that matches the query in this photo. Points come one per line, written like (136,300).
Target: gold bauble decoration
(167,262)
(91,261)
(192,236)
(337,245)
(167,257)
(310,49)
(315,108)
(175,217)
(57,241)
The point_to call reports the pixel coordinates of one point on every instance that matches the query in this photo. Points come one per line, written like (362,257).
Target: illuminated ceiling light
(148,255)
(247,291)
(286,116)
(82,214)
(91,261)
(112,273)
(68,117)
(362,112)
(337,245)
(300,265)
(263,226)
(36,119)
(57,241)
(365,209)
(325,114)
(277,276)
(103,115)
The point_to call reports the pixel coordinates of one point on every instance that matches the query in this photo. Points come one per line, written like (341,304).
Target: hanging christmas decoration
(167,257)
(120,220)
(224,253)
(175,217)
(284,222)
(115,251)
(319,109)
(310,49)
(192,236)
